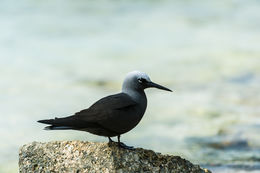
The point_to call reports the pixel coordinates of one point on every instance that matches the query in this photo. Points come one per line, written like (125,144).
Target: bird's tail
(71,122)
(58,123)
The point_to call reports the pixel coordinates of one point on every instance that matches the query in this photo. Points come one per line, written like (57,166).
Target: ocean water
(58,57)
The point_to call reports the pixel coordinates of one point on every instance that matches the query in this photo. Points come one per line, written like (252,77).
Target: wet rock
(81,157)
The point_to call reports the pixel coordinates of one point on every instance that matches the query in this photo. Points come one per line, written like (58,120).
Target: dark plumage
(112,115)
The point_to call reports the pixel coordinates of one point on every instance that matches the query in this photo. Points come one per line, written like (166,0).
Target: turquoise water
(58,57)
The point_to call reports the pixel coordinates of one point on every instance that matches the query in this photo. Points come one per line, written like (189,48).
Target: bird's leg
(110,141)
(122,145)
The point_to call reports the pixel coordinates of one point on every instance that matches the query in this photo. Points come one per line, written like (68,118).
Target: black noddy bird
(113,115)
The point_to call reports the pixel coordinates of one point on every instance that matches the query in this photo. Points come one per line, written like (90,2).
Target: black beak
(155,85)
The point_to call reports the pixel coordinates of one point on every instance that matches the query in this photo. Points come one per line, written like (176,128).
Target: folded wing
(101,116)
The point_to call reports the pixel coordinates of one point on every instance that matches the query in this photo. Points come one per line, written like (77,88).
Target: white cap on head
(138,81)
(138,74)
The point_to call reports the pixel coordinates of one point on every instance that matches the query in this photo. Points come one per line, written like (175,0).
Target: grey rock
(81,157)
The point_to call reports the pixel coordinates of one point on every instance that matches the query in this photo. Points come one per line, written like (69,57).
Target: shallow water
(58,57)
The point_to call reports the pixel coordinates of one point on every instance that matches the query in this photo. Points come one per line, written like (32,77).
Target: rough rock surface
(79,157)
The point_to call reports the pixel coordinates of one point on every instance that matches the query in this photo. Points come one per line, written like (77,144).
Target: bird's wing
(106,107)
(112,115)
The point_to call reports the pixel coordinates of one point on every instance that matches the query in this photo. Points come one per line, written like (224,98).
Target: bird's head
(137,80)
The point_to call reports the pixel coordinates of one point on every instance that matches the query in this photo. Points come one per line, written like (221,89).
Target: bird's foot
(124,146)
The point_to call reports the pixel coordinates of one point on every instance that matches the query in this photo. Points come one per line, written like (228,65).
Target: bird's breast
(130,119)
(125,119)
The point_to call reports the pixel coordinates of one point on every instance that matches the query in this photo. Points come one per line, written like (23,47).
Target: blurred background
(59,56)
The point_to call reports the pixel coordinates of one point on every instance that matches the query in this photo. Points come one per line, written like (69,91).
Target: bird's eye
(141,80)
